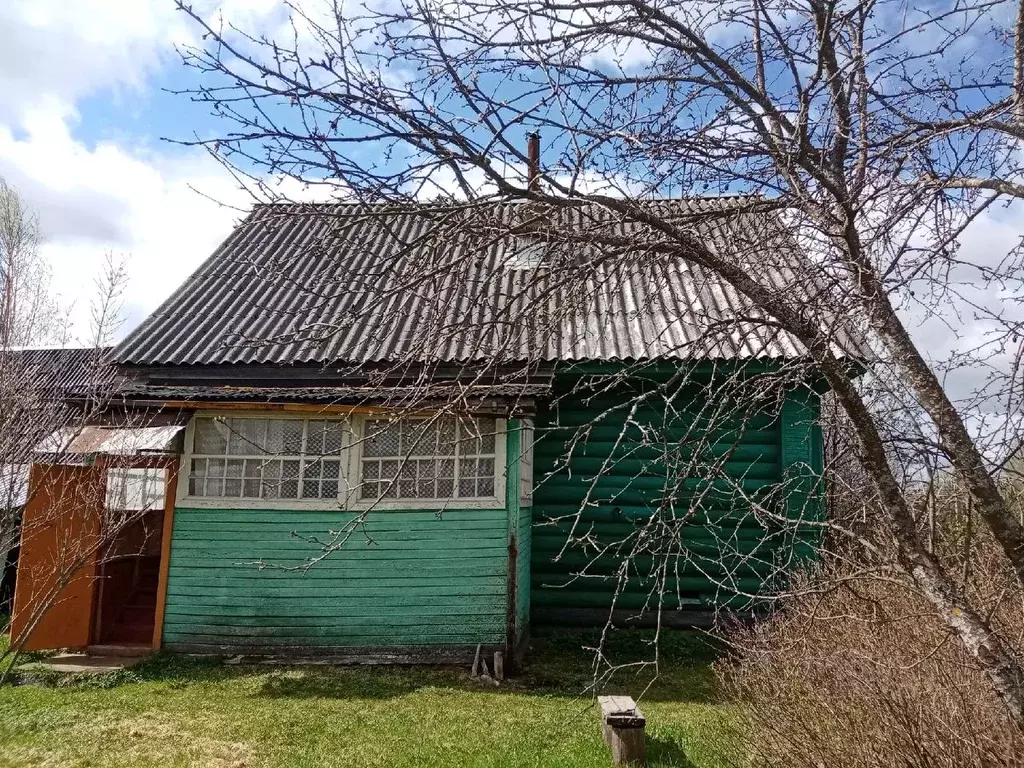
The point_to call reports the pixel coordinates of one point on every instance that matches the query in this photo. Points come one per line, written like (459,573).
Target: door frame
(172,466)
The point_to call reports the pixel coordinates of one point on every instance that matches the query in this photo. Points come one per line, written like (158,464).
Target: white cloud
(91,200)
(114,195)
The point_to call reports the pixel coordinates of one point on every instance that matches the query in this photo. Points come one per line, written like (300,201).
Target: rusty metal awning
(112,441)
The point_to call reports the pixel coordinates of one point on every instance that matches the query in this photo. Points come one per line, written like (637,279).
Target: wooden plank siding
(614,485)
(520,520)
(412,579)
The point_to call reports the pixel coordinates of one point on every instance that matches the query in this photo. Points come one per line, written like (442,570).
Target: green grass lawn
(180,711)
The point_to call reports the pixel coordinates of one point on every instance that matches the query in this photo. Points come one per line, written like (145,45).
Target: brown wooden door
(57,566)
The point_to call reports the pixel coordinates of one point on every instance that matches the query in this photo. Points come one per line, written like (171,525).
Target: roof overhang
(75,445)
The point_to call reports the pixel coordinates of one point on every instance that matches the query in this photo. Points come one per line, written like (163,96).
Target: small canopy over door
(53,600)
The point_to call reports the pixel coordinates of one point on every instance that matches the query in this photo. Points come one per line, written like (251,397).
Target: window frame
(184,498)
(351,455)
(497,501)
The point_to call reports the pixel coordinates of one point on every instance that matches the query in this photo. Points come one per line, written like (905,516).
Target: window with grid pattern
(257,458)
(429,458)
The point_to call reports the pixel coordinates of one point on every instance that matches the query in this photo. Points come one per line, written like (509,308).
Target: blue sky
(82,120)
(81,127)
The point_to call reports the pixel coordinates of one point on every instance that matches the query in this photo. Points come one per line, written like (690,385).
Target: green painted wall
(525,540)
(407,579)
(652,504)
(427,580)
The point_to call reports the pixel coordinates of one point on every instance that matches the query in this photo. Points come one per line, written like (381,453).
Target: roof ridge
(480,203)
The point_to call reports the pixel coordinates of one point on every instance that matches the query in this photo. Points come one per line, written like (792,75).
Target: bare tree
(48,396)
(882,136)
(28,310)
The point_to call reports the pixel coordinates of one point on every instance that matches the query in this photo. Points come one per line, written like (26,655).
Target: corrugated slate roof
(352,283)
(60,372)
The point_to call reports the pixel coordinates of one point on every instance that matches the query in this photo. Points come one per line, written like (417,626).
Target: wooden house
(397,441)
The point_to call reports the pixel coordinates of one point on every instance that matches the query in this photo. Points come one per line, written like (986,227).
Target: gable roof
(373,284)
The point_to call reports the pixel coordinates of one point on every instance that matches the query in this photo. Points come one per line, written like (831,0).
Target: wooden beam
(170,494)
(216,405)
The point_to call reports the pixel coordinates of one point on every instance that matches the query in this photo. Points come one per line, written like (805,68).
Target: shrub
(857,670)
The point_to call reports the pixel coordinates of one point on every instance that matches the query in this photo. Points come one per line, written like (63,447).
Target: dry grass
(864,674)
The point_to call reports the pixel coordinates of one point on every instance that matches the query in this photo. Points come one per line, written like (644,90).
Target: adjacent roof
(372,284)
(112,441)
(60,372)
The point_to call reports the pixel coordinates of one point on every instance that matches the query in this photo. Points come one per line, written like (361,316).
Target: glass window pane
(233,487)
(446,437)
(275,436)
(445,488)
(486,428)
(251,489)
(369,490)
(247,437)
(371,469)
(332,437)
(420,437)
(290,479)
(467,488)
(234,467)
(485,486)
(214,487)
(292,436)
(329,489)
(210,437)
(315,438)
(215,467)
(381,438)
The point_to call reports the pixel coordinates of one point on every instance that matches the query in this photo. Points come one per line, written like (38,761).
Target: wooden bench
(623,725)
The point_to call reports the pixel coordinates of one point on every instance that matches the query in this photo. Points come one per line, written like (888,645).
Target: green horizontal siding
(523,578)
(406,579)
(629,482)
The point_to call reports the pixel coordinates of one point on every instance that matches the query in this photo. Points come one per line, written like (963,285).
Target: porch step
(82,663)
(118,650)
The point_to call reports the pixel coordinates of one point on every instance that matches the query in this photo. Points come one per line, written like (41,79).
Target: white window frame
(351,463)
(497,501)
(185,499)
(526,440)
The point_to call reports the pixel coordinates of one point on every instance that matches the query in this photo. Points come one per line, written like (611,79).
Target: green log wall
(652,505)
(429,580)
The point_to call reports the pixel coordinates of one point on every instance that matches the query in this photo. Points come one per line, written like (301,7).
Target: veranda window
(257,458)
(434,458)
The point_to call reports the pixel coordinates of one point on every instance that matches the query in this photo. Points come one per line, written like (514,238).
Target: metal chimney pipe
(533,161)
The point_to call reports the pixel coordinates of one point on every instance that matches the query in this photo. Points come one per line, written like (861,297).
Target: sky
(84,123)
(87,130)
